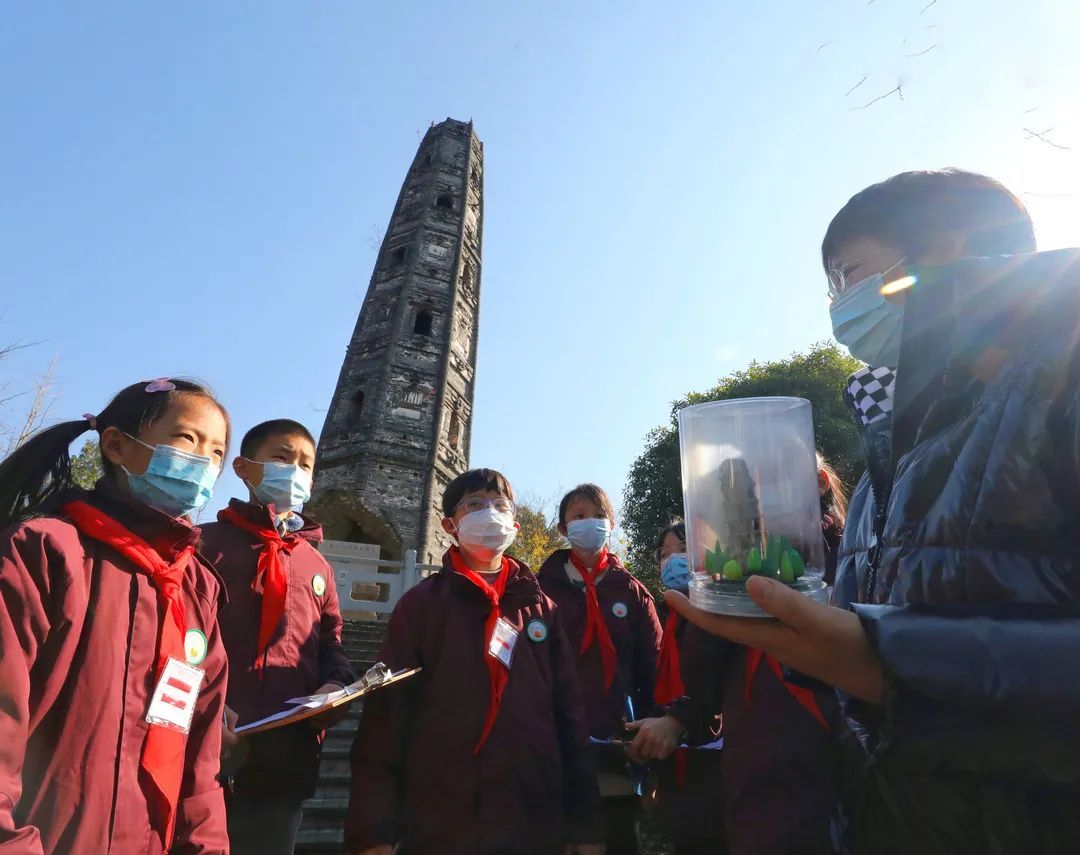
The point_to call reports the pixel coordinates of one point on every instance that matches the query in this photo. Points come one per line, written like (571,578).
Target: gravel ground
(653,842)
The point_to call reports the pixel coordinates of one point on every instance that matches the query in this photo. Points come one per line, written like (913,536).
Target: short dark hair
(591,493)
(676,527)
(474,481)
(910,211)
(254,438)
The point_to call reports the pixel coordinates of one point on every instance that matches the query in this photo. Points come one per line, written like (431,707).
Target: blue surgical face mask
(175,482)
(675,572)
(867,324)
(284,485)
(588,535)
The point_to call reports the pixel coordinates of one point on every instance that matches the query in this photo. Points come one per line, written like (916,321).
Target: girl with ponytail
(112,672)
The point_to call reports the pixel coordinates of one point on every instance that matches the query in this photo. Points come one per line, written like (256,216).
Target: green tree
(653,493)
(86,465)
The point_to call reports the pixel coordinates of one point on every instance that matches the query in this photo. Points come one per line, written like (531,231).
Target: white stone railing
(365,582)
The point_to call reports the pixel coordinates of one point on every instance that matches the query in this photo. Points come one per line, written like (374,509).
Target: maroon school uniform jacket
(415,776)
(688,790)
(631,620)
(303,654)
(79,629)
(779,785)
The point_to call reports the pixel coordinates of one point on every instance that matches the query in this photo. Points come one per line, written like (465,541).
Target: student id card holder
(503,641)
(173,703)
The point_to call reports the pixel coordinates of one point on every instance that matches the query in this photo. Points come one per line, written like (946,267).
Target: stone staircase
(324,813)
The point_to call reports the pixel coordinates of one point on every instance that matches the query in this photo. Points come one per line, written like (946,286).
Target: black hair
(913,210)
(254,438)
(591,493)
(474,481)
(676,527)
(39,470)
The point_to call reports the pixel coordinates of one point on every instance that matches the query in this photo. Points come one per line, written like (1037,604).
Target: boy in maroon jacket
(611,622)
(484,752)
(281,628)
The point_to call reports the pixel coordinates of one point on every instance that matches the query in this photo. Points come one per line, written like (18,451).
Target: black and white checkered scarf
(872,390)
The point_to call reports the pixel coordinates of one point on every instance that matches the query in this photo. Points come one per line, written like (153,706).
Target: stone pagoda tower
(399,425)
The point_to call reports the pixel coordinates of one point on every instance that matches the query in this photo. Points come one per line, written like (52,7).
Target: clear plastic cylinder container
(751,500)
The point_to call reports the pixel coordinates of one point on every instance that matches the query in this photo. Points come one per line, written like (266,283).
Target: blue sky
(193,188)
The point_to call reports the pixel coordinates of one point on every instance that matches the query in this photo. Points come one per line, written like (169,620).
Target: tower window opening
(357,405)
(445,201)
(397,256)
(423,323)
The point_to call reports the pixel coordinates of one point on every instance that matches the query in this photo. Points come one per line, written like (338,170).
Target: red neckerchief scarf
(669,683)
(270,575)
(595,628)
(804,696)
(163,751)
(499,673)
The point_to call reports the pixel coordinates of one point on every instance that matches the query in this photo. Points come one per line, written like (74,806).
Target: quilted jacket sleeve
(981,689)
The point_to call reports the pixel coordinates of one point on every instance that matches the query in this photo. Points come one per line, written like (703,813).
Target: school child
(112,670)
(483,753)
(778,787)
(688,695)
(611,622)
(833,495)
(281,629)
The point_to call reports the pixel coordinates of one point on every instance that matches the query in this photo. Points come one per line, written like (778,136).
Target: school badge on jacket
(620,610)
(318,584)
(536,630)
(194,646)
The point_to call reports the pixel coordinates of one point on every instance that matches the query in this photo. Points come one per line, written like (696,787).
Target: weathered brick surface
(400,423)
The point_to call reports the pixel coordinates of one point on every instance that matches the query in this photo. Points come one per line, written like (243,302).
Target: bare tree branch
(39,409)
(928,5)
(921,53)
(14,346)
(374,237)
(897,91)
(1042,138)
(856,86)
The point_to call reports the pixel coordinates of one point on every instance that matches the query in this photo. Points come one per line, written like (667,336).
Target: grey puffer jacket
(961,556)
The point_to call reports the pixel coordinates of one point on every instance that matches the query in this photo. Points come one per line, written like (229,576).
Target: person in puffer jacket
(955,640)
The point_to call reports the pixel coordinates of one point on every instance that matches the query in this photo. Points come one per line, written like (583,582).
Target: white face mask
(588,535)
(487,533)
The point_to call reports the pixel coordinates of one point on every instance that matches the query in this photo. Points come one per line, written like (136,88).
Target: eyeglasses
(838,284)
(472,504)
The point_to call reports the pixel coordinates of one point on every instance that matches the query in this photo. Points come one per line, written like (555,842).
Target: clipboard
(310,707)
(715,745)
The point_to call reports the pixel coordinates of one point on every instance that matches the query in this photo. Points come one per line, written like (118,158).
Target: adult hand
(328,719)
(820,641)
(382,849)
(229,737)
(656,738)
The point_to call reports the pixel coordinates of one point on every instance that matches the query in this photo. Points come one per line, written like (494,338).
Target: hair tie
(162,384)
(91,420)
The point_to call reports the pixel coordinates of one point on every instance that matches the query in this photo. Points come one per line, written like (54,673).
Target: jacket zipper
(877,493)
